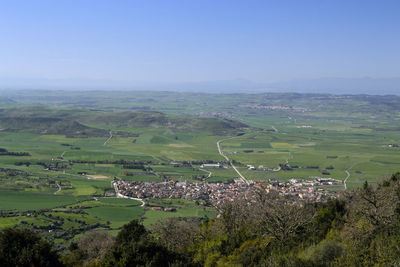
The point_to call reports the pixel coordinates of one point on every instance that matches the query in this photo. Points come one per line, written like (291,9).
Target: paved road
(209,173)
(109,138)
(122,196)
(227,159)
(345,180)
(348,175)
(59,188)
(287,162)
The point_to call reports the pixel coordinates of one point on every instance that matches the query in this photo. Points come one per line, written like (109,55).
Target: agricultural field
(183,208)
(60,151)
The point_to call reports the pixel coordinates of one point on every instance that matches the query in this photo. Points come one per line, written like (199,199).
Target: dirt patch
(180,145)
(97,177)
(307,144)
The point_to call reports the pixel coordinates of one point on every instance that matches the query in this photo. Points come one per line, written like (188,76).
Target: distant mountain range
(367,85)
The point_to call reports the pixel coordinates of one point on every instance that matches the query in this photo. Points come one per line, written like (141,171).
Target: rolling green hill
(50,125)
(216,126)
(73,123)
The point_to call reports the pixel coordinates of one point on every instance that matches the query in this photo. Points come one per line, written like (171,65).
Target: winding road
(109,138)
(345,180)
(209,173)
(122,196)
(348,175)
(287,162)
(59,188)
(227,159)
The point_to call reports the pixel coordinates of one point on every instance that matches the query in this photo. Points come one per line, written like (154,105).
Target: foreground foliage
(20,247)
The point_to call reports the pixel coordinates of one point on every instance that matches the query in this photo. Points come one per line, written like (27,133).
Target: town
(218,193)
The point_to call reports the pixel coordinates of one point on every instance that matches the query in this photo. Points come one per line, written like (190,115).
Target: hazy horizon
(327,85)
(270,45)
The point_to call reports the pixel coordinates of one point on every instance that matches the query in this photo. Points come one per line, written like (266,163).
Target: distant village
(218,193)
(215,114)
(275,107)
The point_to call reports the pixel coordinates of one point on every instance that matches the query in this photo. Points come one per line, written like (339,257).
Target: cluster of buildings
(213,193)
(216,114)
(264,168)
(304,189)
(275,107)
(218,193)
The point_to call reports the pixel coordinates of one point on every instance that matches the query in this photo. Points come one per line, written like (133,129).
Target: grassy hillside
(189,124)
(48,125)
(45,121)
(73,123)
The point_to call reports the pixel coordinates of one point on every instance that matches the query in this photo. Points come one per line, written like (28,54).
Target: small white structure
(210,166)
(250,167)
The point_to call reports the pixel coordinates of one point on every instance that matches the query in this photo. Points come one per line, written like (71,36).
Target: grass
(303,147)
(347,133)
(277,145)
(7,222)
(117,216)
(184,208)
(21,201)
(120,202)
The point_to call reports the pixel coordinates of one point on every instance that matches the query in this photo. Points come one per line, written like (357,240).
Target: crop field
(21,201)
(184,208)
(118,216)
(57,161)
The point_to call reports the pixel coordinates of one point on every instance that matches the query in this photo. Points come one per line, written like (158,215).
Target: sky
(199,40)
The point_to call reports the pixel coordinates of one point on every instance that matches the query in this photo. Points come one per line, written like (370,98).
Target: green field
(184,208)
(21,201)
(56,151)
(118,216)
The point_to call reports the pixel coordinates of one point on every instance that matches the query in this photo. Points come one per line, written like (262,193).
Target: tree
(280,218)
(177,235)
(20,247)
(373,208)
(325,253)
(236,222)
(327,216)
(135,247)
(89,249)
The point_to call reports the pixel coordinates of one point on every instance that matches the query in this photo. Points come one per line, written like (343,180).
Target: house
(170,209)
(250,167)
(210,166)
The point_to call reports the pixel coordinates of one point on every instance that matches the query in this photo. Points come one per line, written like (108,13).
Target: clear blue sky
(199,40)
